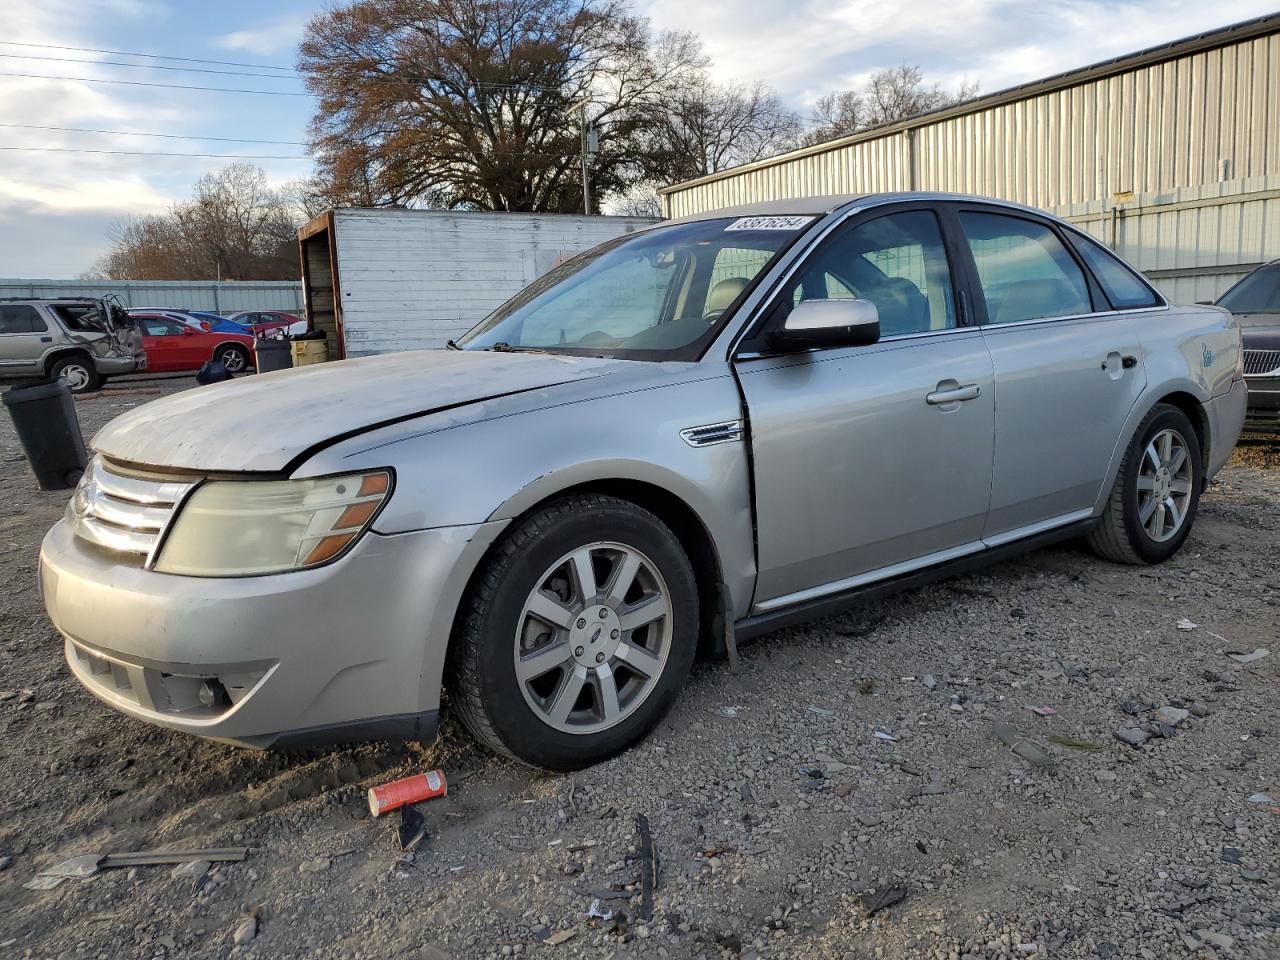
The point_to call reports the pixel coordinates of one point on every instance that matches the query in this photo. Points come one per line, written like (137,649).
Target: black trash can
(49,430)
(272,355)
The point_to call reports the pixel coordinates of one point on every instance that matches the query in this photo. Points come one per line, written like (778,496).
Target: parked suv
(1255,301)
(83,341)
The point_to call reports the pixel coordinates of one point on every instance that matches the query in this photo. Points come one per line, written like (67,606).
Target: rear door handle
(970,391)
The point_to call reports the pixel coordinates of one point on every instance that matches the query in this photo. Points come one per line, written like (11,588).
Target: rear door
(24,337)
(1068,368)
(862,468)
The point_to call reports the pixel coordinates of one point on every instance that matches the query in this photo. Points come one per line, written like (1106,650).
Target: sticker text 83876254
(769,223)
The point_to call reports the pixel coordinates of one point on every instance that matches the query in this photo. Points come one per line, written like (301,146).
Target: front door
(872,460)
(1068,371)
(166,343)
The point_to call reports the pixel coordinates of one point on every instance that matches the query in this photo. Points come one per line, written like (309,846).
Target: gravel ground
(775,808)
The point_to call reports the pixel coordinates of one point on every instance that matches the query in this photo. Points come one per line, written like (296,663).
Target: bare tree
(706,127)
(890,95)
(235,227)
(468,103)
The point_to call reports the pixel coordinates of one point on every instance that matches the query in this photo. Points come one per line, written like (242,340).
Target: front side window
(1259,292)
(657,295)
(1025,271)
(21,318)
(898,262)
(1124,288)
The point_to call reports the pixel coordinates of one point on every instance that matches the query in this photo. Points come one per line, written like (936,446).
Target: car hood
(270,422)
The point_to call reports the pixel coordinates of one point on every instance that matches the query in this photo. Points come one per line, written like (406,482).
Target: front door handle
(970,391)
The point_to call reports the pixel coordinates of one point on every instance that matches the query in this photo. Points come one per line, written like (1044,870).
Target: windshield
(1259,292)
(656,295)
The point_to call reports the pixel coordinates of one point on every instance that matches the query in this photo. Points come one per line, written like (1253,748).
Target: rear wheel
(578,634)
(234,357)
(80,374)
(1157,492)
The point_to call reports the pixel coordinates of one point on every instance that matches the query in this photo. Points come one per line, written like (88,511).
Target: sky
(57,208)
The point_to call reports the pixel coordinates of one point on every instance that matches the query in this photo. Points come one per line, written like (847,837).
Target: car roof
(822,205)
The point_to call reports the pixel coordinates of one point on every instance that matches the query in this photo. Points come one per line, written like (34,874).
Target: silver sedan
(678,440)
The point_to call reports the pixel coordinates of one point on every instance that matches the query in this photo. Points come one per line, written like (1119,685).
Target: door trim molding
(928,560)
(831,604)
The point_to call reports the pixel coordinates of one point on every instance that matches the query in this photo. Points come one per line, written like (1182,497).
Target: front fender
(497,469)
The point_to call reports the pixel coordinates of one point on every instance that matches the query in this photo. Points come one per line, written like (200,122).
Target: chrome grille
(1261,362)
(124,514)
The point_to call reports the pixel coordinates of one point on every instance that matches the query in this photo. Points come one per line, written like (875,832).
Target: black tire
(1120,535)
(481,675)
(234,357)
(85,377)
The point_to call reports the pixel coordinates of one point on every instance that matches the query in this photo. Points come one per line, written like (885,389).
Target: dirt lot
(771,801)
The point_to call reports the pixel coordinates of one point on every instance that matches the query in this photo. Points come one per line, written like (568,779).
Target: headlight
(232,528)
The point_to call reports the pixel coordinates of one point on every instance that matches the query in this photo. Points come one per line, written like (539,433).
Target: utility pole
(590,145)
(586,172)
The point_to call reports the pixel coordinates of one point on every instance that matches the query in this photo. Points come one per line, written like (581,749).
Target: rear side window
(1124,288)
(21,318)
(1025,271)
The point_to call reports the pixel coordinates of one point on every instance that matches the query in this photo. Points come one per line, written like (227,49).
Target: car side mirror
(828,323)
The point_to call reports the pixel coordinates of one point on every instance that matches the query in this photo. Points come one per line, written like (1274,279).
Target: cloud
(810,47)
(56,208)
(280,34)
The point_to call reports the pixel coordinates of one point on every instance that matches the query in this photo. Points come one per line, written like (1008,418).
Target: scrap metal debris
(878,899)
(648,867)
(412,830)
(1254,657)
(1019,746)
(88,864)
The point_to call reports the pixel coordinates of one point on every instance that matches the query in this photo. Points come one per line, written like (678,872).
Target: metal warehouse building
(1170,155)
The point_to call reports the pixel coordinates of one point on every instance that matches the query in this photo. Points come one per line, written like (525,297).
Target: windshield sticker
(769,223)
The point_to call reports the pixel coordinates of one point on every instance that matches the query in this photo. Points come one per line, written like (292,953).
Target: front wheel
(577,635)
(1153,503)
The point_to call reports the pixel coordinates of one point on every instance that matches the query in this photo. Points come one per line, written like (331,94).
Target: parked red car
(171,345)
(269,322)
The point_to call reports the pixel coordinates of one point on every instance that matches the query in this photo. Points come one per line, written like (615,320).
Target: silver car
(680,439)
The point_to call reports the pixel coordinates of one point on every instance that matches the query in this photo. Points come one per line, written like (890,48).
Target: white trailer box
(381,280)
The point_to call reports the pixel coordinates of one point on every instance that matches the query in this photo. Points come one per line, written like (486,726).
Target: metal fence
(1170,155)
(225,296)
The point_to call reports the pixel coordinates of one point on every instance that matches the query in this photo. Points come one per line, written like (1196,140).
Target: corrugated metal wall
(1200,132)
(413,279)
(220,297)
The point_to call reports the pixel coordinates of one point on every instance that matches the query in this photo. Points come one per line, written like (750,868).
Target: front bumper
(352,650)
(1264,404)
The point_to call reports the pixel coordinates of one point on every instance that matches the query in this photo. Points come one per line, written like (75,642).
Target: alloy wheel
(593,637)
(233,360)
(1164,485)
